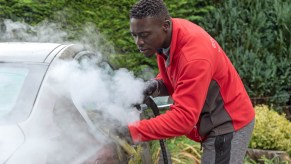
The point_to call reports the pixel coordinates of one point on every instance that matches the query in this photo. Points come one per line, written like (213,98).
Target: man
(211,105)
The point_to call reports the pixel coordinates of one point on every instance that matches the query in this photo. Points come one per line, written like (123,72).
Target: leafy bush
(256,35)
(272,131)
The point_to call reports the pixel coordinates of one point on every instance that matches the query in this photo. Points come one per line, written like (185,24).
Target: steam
(108,94)
(112,93)
(43,32)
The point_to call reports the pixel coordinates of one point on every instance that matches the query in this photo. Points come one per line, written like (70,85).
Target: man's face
(149,34)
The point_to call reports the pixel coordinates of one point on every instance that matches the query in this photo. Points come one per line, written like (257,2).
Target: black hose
(151,104)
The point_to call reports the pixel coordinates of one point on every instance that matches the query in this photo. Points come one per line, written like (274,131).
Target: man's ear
(167,25)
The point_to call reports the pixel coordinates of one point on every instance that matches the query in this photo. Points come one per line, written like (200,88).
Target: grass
(182,149)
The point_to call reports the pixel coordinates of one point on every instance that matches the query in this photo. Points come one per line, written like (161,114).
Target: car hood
(11,138)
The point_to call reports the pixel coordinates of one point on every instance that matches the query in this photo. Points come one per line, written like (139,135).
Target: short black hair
(149,8)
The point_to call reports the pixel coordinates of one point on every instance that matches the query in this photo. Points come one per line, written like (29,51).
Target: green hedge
(256,35)
(110,17)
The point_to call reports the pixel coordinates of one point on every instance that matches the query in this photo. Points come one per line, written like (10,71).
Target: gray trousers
(227,148)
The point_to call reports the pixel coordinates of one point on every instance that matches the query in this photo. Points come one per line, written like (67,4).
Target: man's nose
(139,41)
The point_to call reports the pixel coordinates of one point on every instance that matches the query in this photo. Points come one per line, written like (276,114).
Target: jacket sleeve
(189,97)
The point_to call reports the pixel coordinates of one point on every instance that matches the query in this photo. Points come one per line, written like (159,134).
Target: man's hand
(123,133)
(151,87)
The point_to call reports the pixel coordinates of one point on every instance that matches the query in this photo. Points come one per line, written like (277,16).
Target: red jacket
(209,96)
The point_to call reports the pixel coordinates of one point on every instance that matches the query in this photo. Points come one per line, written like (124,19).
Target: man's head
(150,26)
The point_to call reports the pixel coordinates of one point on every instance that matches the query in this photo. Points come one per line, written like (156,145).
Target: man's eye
(144,34)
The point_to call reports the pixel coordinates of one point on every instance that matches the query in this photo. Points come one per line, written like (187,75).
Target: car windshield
(18,89)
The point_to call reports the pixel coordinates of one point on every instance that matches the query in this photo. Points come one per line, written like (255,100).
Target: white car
(38,126)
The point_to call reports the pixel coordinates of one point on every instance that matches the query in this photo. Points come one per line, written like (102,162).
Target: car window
(12,80)
(19,86)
